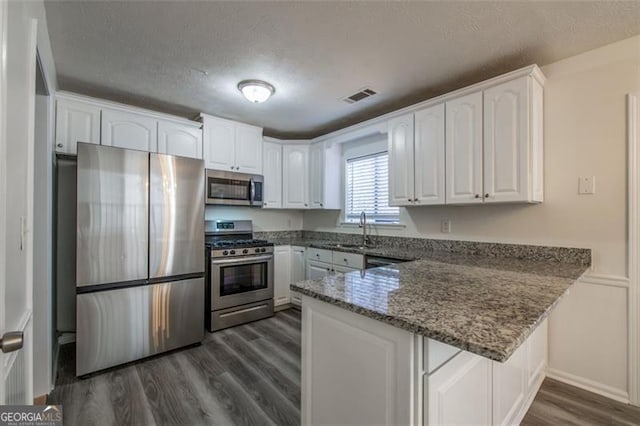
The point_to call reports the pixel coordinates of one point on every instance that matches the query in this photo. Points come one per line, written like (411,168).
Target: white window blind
(367,181)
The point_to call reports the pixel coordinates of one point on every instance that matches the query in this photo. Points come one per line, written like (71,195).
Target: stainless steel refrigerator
(140,255)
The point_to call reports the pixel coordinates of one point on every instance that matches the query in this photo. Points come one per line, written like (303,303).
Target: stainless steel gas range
(239,274)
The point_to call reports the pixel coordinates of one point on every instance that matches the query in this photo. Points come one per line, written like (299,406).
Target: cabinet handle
(346,261)
(264,204)
(486,195)
(409,200)
(237,167)
(232,167)
(306,205)
(317,254)
(321,205)
(477,196)
(60,145)
(415,199)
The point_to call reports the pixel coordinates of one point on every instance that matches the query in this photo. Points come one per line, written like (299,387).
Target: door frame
(3,168)
(633,187)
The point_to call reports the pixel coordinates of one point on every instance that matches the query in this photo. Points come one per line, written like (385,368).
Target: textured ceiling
(187,57)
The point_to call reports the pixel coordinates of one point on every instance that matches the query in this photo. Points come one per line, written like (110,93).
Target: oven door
(240,281)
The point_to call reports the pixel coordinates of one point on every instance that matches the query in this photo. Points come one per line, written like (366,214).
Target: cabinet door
(429,155)
(506,141)
(282,274)
(509,386)
(464,149)
(248,149)
(317,270)
(129,130)
(218,143)
(459,392)
(179,139)
(298,260)
(316,176)
(400,148)
(272,170)
(76,122)
(295,169)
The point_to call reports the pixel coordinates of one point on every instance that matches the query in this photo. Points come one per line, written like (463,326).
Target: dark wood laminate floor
(250,375)
(560,404)
(246,375)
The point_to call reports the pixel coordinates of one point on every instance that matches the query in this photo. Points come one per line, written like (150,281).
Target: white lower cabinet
(459,392)
(281,275)
(357,370)
(298,259)
(316,270)
(321,263)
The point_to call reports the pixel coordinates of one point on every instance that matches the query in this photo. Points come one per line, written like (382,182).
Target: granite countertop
(481,304)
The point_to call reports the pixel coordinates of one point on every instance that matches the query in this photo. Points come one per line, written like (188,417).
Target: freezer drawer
(119,326)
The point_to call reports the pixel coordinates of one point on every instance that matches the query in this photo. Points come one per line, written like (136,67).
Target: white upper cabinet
(510,169)
(464,149)
(179,139)
(272,171)
(248,149)
(129,130)
(324,176)
(400,149)
(295,176)
(429,156)
(232,146)
(76,122)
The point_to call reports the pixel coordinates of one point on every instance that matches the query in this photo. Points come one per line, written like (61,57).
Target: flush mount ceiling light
(256,91)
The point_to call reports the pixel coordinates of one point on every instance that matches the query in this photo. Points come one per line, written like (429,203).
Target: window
(367,188)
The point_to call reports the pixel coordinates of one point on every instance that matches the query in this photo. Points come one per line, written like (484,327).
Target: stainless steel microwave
(234,189)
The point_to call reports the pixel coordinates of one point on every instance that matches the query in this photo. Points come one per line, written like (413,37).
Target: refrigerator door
(123,325)
(176,221)
(112,215)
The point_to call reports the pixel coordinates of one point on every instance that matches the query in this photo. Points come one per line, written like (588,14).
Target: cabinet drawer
(351,260)
(319,254)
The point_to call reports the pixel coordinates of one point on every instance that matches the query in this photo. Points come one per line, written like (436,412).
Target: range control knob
(232,252)
(224,253)
(257,250)
(245,251)
(262,250)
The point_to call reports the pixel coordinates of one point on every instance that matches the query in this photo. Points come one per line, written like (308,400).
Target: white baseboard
(589,385)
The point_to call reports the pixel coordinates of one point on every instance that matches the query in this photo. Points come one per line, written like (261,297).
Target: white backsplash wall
(263,219)
(585,135)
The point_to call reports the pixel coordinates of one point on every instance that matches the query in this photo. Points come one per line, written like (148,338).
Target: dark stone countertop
(486,305)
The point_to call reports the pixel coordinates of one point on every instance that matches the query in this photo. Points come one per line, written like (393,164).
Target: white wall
(263,219)
(20,131)
(585,119)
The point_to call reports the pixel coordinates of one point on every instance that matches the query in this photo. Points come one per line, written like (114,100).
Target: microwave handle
(252,189)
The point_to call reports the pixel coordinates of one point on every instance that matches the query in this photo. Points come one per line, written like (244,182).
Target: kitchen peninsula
(446,339)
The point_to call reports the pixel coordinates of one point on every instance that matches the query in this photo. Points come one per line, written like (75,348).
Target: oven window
(243,278)
(229,189)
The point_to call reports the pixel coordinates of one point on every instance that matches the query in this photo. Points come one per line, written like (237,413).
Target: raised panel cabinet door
(76,122)
(317,270)
(509,386)
(429,155)
(295,177)
(179,139)
(459,392)
(272,171)
(401,162)
(128,130)
(463,141)
(219,138)
(316,176)
(248,149)
(506,141)
(282,274)
(298,264)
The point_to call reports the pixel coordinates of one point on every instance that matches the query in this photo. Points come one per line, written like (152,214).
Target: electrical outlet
(587,185)
(445,226)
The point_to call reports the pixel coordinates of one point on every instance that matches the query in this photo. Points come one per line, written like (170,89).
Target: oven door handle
(242,261)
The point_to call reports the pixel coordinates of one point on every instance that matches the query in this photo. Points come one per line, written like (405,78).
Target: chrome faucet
(363,225)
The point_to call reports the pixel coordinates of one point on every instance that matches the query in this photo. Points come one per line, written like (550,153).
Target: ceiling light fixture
(256,91)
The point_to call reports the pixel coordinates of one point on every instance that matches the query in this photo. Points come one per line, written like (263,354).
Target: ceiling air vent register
(364,93)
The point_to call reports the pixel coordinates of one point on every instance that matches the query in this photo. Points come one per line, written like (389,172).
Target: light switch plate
(587,185)
(445,226)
